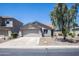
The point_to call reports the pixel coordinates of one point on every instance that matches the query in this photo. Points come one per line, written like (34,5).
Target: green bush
(72,34)
(77,34)
(14,35)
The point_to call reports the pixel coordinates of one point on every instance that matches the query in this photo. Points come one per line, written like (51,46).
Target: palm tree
(64,18)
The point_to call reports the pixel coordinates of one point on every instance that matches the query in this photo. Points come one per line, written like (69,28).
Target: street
(39,52)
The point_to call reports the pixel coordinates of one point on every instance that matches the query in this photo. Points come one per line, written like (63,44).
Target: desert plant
(72,34)
(64,18)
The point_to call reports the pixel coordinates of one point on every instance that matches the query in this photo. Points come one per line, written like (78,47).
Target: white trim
(9,33)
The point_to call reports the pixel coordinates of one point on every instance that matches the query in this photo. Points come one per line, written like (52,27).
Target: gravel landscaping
(49,41)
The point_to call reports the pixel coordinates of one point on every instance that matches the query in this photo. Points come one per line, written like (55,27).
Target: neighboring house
(6,31)
(57,32)
(75,30)
(9,25)
(36,29)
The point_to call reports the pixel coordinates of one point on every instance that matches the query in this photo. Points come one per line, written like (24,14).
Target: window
(3,22)
(7,22)
(45,31)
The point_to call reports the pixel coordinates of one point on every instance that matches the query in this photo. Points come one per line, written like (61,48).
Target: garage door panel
(30,33)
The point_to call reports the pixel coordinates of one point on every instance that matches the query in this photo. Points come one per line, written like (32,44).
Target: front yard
(49,41)
(33,42)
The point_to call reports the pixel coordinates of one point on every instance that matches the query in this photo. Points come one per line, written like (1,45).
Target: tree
(64,18)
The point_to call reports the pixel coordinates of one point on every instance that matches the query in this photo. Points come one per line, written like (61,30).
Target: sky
(29,12)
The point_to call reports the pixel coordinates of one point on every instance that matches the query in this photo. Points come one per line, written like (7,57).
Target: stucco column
(40,34)
(20,33)
(9,33)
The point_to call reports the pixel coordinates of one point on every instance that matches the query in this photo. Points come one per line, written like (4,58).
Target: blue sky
(28,12)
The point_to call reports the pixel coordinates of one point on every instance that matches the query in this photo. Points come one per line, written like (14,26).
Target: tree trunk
(64,38)
(64,34)
(42,32)
(52,33)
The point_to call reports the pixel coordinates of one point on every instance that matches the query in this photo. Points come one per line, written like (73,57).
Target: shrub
(72,34)
(14,35)
(77,34)
(60,34)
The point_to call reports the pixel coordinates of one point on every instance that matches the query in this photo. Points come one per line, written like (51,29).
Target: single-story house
(36,29)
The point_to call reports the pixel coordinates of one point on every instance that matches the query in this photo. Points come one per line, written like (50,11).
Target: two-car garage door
(31,33)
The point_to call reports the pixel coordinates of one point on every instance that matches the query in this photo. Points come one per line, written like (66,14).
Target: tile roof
(12,18)
(6,17)
(37,24)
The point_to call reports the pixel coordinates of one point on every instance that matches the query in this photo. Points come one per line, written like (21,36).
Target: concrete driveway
(22,42)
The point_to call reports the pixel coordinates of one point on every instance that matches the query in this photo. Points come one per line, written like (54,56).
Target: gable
(35,25)
(30,26)
(42,25)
